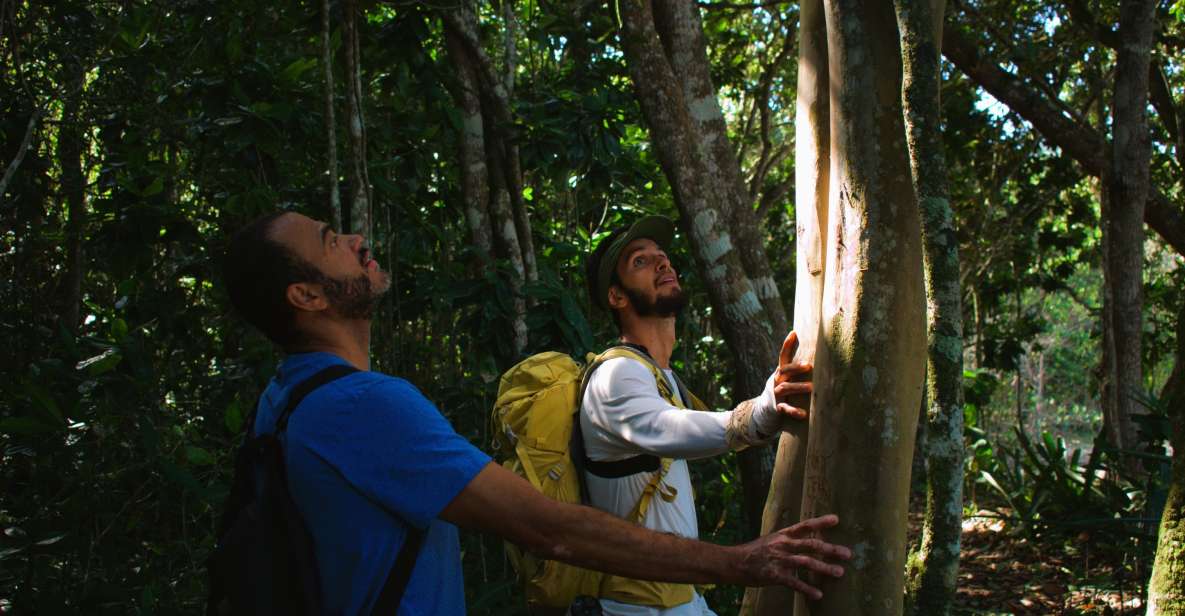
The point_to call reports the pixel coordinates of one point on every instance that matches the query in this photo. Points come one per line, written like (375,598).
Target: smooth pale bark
(508,238)
(1123,214)
(1166,588)
(1080,141)
(360,207)
(335,201)
(871,350)
(933,569)
(811,180)
(736,305)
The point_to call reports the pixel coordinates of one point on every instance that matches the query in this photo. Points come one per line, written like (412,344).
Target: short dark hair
(257,271)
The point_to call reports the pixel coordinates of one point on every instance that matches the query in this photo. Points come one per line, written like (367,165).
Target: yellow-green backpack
(533,418)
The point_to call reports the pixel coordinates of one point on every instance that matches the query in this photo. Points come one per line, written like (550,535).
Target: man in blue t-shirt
(369,458)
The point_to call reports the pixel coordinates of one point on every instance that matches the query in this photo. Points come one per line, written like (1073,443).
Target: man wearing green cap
(638,423)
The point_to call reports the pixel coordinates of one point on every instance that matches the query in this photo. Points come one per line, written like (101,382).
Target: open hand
(776,558)
(792,383)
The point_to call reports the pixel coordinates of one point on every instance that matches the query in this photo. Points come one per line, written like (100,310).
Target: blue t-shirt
(367,455)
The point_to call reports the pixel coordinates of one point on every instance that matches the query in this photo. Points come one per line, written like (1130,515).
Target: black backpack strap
(400,573)
(306,387)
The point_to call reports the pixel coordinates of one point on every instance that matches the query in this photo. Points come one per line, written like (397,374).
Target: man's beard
(662,306)
(354,297)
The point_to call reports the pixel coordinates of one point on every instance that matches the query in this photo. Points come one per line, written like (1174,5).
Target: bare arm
(500,502)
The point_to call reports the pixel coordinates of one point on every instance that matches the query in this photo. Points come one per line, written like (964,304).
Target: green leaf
(232,417)
(298,67)
(154,188)
(198,456)
(44,401)
(101,363)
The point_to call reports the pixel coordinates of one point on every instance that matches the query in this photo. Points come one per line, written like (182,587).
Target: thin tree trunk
(70,149)
(475,188)
(1123,228)
(504,228)
(737,307)
(22,150)
(933,572)
(1166,588)
(811,170)
(870,357)
(335,202)
(360,207)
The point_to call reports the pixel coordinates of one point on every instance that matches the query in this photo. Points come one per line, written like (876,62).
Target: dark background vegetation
(185,119)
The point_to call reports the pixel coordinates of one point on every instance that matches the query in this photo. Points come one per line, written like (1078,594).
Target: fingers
(793,388)
(811,525)
(795,371)
(789,347)
(793,412)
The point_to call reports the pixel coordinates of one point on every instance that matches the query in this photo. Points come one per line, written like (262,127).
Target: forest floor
(1004,572)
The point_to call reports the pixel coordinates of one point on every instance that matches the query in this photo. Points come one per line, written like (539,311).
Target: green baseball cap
(603,260)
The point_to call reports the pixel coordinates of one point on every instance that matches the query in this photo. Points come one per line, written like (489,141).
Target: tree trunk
(360,207)
(812,160)
(871,348)
(70,149)
(335,202)
(933,571)
(475,188)
(1166,588)
(737,306)
(1123,228)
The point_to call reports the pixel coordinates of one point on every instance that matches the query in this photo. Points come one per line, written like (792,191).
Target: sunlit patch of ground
(1006,573)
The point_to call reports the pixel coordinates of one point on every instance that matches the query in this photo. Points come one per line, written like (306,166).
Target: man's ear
(617,298)
(307,296)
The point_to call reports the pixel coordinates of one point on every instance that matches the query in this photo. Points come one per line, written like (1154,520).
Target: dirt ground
(1005,573)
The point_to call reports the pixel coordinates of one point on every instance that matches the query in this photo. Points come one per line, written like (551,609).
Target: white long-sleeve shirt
(622,416)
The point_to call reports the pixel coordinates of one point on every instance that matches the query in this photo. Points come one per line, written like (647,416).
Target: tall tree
(361,199)
(685,123)
(1127,191)
(335,201)
(871,348)
(1166,587)
(933,571)
(812,181)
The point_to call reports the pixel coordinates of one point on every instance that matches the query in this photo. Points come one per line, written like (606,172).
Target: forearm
(497,501)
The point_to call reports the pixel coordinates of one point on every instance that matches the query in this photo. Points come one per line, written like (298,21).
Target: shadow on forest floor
(1003,572)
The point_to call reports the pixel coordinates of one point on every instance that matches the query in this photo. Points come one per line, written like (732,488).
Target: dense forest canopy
(484,148)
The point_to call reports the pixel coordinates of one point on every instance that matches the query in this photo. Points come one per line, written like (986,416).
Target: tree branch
(1082,143)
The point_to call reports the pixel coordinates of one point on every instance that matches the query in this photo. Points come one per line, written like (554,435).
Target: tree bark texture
(1081,142)
(933,570)
(682,33)
(1166,588)
(360,207)
(1123,215)
(737,307)
(335,201)
(475,189)
(499,126)
(495,226)
(870,357)
(812,158)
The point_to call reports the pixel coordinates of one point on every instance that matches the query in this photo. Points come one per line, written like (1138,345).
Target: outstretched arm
(500,502)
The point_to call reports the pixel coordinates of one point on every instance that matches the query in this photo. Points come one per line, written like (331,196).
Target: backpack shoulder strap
(306,387)
(400,574)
